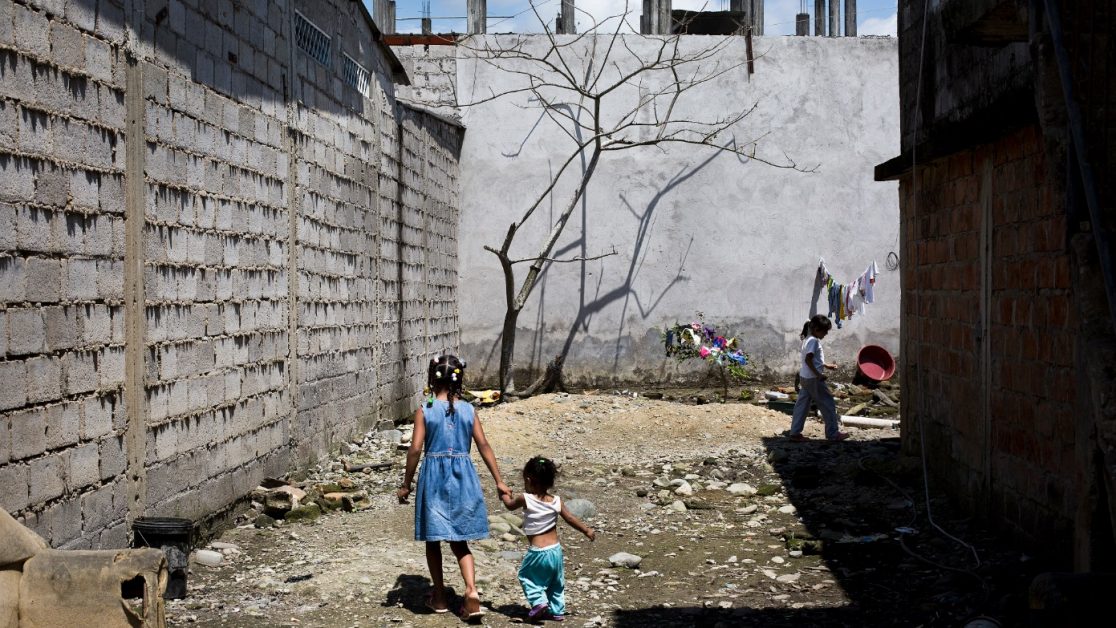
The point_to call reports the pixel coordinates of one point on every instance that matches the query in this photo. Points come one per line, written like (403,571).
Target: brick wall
(988,335)
(253,281)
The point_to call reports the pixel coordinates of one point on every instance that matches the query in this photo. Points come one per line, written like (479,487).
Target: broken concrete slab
(92,588)
(20,543)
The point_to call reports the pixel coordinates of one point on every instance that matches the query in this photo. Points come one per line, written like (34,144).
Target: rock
(394,437)
(788,578)
(264,521)
(511,519)
(384,426)
(654,394)
(581,508)
(882,397)
(684,489)
(789,509)
(697,504)
(487,545)
(308,512)
(715,486)
(499,527)
(209,558)
(765,490)
(218,545)
(778,560)
(857,409)
(778,455)
(742,489)
(508,537)
(660,483)
(641,492)
(677,506)
(749,509)
(624,559)
(647,506)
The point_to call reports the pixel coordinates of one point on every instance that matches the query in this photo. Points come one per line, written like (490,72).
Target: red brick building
(1006,178)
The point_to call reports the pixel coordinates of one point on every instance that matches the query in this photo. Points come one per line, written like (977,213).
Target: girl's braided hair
(542,472)
(446,373)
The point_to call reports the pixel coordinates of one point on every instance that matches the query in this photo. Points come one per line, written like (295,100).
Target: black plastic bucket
(175,537)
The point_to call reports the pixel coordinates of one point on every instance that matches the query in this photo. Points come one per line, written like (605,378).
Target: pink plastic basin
(875,363)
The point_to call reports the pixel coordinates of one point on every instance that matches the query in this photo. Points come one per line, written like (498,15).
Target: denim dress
(449,502)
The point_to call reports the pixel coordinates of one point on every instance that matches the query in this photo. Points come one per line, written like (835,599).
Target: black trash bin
(175,537)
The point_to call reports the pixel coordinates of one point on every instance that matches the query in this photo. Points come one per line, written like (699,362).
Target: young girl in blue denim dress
(449,502)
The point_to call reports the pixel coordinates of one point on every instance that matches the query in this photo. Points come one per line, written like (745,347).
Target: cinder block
(96,417)
(63,424)
(98,508)
(63,520)
(27,331)
(98,59)
(113,459)
(44,280)
(111,368)
(67,46)
(82,14)
(31,28)
(110,279)
(83,467)
(79,372)
(28,433)
(46,478)
(95,324)
(81,279)
(44,379)
(14,492)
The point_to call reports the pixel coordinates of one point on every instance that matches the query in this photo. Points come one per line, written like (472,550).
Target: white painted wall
(693,230)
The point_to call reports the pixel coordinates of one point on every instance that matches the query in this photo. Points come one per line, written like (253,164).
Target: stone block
(33,229)
(5,440)
(111,368)
(46,478)
(98,508)
(28,433)
(44,379)
(113,460)
(27,331)
(98,59)
(13,278)
(13,487)
(82,14)
(95,324)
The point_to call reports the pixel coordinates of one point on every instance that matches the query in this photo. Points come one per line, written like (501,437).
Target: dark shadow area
(410,591)
(862,509)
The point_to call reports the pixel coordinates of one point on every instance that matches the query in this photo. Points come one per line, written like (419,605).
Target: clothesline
(846,299)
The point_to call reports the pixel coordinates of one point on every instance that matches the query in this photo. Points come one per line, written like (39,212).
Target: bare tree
(584,85)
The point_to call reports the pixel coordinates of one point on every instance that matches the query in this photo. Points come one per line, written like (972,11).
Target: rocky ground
(732,525)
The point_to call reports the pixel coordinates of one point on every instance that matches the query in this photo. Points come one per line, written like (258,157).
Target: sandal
(429,603)
(477,614)
(539,611)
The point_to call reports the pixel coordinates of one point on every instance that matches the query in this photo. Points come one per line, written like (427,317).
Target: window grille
(311,39)
(355,74)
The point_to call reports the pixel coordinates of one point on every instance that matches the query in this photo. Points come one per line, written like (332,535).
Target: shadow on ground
(862,509)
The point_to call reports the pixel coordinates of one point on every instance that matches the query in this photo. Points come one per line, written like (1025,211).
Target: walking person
(449,502)
(542,573)
(812,383)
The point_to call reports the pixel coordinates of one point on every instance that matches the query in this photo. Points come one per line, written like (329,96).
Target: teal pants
(543,577)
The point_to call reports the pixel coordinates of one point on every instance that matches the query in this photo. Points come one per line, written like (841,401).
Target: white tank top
(540,516)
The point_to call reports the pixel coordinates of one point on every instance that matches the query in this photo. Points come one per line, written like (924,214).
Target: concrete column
(819,18)
(427,26)
(834,18)
(656,17)
(745,7)
(850,18)
(757,17)
(567,24)
(802,24)
(478,17)
(389,20)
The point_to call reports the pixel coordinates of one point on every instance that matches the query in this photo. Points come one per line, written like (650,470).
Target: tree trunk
(507,348)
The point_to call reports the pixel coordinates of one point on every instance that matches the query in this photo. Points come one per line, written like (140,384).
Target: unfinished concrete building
(225,247)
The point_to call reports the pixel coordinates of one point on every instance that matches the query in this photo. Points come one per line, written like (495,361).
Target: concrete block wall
(182,319)
(988,340)
(62,408)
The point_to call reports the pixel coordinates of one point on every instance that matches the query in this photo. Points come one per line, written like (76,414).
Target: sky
(874,17)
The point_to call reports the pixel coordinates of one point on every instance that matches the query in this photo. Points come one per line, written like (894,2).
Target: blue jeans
(813,389)
(544,579)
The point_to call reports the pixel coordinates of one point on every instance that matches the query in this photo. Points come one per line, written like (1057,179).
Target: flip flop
(477,614)
(429,602)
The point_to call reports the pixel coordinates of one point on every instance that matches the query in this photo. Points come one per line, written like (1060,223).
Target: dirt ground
(823,534)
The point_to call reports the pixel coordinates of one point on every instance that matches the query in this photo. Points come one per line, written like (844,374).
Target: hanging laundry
(845,300)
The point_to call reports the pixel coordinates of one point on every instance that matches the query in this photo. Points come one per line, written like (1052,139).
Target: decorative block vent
(355,74)
(311,39)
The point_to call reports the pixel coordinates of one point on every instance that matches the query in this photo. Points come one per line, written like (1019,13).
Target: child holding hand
(449,505)
(542,572)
